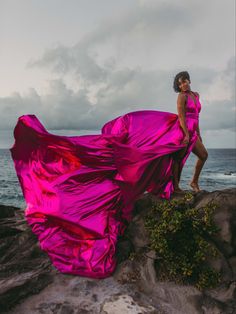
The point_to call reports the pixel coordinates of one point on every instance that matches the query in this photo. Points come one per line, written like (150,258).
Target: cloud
(59,108)
(124,91)
(128,63)
(133,34)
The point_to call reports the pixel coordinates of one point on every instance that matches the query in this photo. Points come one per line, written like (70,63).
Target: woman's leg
(200,151)
(176,169)
(175,175)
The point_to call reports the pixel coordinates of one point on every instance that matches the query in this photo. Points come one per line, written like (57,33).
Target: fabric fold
(80,190)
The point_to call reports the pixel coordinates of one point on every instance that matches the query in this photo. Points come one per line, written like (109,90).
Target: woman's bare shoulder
(181,95)
(182,98)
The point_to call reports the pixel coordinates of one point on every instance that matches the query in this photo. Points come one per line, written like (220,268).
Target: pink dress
(80,190)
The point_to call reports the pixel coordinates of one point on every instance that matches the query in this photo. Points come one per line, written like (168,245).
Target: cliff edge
(30,284)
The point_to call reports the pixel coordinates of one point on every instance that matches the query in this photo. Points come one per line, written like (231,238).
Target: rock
(30,284)
(8,211)
(225,218)
(180,298)
(125,304)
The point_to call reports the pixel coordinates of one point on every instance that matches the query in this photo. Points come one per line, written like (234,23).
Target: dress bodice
(192,107)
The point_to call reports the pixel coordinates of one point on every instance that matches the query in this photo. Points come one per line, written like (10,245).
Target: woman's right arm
(181,112)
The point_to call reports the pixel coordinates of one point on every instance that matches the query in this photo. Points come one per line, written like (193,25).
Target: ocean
(219,172)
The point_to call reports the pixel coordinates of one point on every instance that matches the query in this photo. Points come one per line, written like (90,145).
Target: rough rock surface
(30,284)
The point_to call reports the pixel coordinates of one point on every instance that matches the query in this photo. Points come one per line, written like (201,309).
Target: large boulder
(30,284)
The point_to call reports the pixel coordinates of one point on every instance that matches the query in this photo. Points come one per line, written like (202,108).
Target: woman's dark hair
(183,75)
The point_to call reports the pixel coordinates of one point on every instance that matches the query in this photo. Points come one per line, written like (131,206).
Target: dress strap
(196,95)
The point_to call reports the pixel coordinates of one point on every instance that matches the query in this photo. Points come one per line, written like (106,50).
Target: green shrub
(181,236)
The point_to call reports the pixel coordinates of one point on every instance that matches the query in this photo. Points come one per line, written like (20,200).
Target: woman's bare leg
(200,151)
(176,169)
(175,176)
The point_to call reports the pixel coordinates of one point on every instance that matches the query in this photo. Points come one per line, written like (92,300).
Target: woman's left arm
(198,129)
(198,132)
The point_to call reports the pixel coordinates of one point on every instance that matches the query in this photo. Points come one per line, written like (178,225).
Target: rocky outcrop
(30,284)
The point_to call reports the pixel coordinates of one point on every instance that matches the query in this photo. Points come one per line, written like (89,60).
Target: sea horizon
(219,172)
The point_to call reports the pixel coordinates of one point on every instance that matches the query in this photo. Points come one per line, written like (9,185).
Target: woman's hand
(186,139)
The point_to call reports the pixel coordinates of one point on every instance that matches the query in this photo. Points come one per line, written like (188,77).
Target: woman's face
(184,84)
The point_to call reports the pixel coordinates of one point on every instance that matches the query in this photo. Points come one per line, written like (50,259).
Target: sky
(80,63)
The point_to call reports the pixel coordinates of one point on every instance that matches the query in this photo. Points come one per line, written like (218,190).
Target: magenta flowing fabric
(80,190)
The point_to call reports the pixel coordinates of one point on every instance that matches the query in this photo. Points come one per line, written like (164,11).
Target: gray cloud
(126,90)
(139,25)
(95,65)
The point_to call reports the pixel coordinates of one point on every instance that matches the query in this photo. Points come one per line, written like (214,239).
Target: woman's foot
(194,186)
(178,190)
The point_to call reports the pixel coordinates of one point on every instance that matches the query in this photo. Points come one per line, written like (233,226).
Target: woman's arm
(198,132)
(198,129)
(181,112)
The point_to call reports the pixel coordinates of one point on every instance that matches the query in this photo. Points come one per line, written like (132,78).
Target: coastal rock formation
(30,284)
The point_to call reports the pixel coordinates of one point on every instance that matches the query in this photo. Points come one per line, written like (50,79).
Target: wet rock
(228,173)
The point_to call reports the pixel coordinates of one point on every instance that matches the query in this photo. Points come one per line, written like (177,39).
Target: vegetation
(181,237)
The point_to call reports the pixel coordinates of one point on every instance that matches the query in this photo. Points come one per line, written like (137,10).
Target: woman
(182,85)
(80,190)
